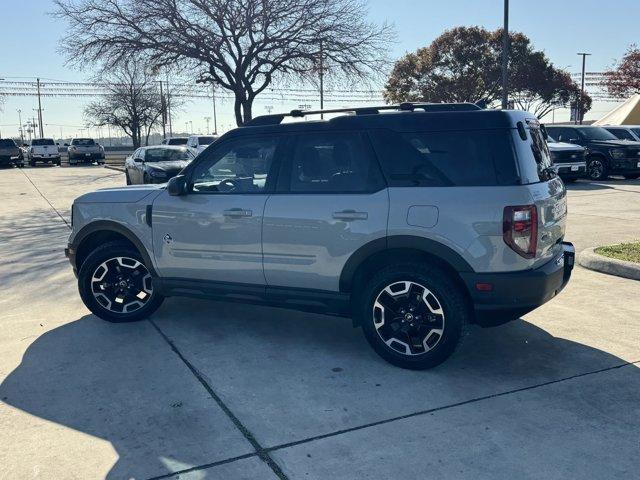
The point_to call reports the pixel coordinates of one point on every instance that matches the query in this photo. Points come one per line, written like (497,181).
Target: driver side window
(238,166)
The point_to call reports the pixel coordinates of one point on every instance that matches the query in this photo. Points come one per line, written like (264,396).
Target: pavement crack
(260,451)
(444,407)
(45,198)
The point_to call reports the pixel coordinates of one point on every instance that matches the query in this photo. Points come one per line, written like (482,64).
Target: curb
(111,167)
(590,259)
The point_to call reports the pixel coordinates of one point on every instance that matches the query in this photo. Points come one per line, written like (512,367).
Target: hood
(128,194)
(176,165)
(562,146)
(615,143)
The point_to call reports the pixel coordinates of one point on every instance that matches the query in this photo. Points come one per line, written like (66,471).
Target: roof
(626,114)
(399,120)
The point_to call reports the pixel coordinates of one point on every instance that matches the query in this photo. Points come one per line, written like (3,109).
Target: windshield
(206,140)
(636,131)
(550,139)
(597,133)
(167,155)
(7,142)
(38,142)
(83,142)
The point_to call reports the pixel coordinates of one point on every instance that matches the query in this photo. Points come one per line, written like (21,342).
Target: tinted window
(83,142)
(335,162)
(464,158)
(206,140)
(166,154)
(596,133)
(621,133)
(175,141)
(563,134)
(636,131)
(238,166)
(42,141)
(541,154)
(7,142)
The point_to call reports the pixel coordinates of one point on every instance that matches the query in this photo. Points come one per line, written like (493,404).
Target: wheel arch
(91,236)
(399,247)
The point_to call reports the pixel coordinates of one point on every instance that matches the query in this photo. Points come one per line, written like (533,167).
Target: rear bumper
(514,294)
(86,156)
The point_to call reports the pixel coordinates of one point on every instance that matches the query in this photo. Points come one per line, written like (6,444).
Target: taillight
(520,229)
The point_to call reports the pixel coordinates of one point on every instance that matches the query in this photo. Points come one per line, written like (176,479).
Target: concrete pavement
(219,390)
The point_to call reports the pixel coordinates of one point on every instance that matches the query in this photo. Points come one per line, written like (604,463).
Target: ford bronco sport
(415,220)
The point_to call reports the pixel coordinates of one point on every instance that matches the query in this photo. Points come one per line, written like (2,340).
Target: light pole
(21,129)
(186,127)
(505,57)
(191,124)
(207,119)
(579,112)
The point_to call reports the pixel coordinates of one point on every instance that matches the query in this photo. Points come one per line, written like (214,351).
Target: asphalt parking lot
(226,391)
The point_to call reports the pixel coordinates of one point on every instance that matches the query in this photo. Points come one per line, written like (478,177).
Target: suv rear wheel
(413,316)
(115,284)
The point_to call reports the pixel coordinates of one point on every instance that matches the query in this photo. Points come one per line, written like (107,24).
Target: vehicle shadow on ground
(611,183)
(118,382)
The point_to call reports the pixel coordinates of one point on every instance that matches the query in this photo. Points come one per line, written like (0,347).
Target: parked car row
(604,152)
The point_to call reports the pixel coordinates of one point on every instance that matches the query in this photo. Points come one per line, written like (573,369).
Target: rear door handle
(237,212)
(349,215)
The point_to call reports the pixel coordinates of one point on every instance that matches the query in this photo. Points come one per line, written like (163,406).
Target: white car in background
(43,150)
(197,143)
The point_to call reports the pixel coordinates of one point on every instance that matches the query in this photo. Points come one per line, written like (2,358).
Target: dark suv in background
(606,154)
(10,153)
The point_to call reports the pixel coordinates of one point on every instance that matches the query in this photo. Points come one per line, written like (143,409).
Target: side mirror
(25,145)
(57,144)
(177,186)
(66,144)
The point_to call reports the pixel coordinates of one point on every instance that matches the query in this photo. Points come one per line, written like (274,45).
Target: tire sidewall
(451,300)
(85,274)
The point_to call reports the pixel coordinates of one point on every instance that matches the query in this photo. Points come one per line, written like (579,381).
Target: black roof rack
(277,118)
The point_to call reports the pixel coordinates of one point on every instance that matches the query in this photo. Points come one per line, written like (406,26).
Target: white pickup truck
(43,150)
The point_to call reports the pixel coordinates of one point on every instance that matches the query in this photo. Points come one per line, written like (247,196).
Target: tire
(57,162)
(597,168)
(100,278)
(569,180)
(32,163)
(632,177)
(126,175)
(439,311)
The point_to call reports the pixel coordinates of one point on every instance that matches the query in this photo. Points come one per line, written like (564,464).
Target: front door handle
(237,212)
(349,215)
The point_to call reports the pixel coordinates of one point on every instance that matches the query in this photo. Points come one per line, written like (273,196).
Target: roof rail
(277,118)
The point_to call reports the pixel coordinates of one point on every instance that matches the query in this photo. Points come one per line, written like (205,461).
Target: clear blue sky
(28,45)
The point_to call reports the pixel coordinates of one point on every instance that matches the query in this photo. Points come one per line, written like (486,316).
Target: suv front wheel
(413,316)
(116,285)
(597,168)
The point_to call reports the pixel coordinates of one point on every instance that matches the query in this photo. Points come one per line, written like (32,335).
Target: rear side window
(621,133)
(541,153)
(333,163)
(453,158)
(7,142)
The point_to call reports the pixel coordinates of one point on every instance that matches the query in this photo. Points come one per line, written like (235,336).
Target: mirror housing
(177,186)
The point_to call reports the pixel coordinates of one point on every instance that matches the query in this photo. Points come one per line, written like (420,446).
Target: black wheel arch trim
(427,245)
(109,225)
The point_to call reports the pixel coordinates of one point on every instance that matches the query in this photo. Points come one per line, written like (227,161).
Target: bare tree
(241,45)
(131,102)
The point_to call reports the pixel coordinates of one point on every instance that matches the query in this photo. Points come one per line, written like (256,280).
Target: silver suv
(415,220)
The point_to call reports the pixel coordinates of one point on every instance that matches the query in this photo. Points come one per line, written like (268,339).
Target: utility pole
(163,112)
(207,120)
(505,57)
(21,128)
(39,110)
(215,118)
(166,81)
(580,113)
(321,79)
(191,123)
(186,127)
